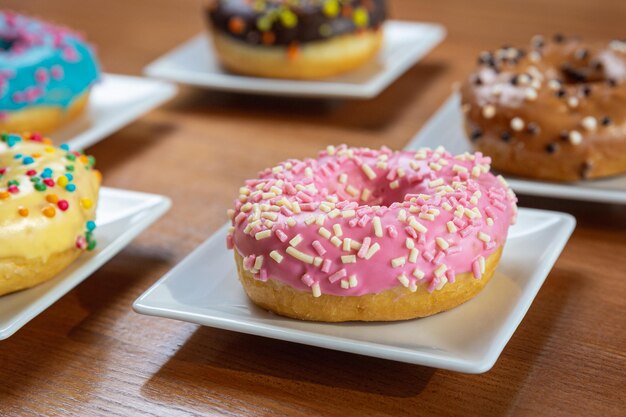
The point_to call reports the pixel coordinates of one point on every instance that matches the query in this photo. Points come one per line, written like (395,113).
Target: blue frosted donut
(46,73)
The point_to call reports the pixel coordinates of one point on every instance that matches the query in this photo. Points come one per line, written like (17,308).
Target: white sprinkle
(451,227)
(419,274)
(353,281)
(296,240)
(420,228)
(372,250)
(489,111)
(403,280)
(590,123)
(572,102)
(336,241)
(334,213)
(345,284)
(400,261)
(489,221)
(275,255)
(481,262)
(337,230)
(295,207)
(308,172)
(575,137)
(410,243)
(258,262)
(378,228)
(442,243)
(348,213)
(317,261)
(347,244)
(427,216)
(442,282)
(352,191)
(435,183)
(324,232)
(320,220)
(263,235)
(554,84)
(441,270)
(402,215)
(458,168)
(365,195)
(530,94)
(303,257)
(413,254)
(291,221)
(343,178)
(315,288)
(484,237)
(348,259)
(394,184)
(517,124)
(368,171)
(355,245)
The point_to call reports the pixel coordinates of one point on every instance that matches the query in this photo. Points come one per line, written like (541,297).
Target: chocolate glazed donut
(296,39)
(555,112)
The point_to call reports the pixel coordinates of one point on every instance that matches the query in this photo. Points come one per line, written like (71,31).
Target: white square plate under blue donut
(115,101)
(204,289)
(122,215)
(405,43)
(446,128)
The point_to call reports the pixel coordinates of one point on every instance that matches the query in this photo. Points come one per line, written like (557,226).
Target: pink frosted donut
(362,234)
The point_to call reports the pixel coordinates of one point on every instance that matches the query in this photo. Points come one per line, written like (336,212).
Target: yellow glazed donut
(48,199)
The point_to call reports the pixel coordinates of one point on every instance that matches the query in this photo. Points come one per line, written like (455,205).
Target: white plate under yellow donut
(459,339)
(121,216)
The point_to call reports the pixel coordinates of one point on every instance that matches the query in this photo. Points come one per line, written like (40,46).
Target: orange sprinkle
(49,211)
(4,195)
(293,51)
(23,211)
(268,38)
(236,25)
(52,198)
(98,175)
(36,155)
(84,159)
(47,141)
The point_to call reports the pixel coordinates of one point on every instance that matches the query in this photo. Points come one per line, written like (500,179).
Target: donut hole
(7,44)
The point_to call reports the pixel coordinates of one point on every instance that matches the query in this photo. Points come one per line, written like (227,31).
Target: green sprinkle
(40,186)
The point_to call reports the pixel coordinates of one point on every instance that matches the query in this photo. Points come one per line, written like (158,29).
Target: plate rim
(524,186)
(367,90)
(160,204)
(92,135)
(486,362)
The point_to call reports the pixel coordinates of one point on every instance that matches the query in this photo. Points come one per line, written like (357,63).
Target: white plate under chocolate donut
(204,289)
(405,43)
(446,128)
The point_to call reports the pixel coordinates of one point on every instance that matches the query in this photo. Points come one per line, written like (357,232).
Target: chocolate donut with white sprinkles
(555,111)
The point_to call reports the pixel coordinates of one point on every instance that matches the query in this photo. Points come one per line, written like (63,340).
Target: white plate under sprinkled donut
(405,43)
(115,101)
(122,215)
(204,289)
(446,128)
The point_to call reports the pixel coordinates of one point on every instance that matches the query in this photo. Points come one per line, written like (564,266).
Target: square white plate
(195,63)
(204,289)
(121,216)
(446,128)
(115,101)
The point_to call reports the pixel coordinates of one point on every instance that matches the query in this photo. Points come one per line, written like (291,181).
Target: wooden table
(90,354)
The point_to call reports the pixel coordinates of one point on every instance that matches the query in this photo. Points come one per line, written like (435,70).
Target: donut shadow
(266,372)
(375,114)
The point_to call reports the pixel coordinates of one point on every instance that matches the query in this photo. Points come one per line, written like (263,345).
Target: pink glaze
(404,219)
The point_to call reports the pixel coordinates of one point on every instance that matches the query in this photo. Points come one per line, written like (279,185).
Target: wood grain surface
(90,354)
